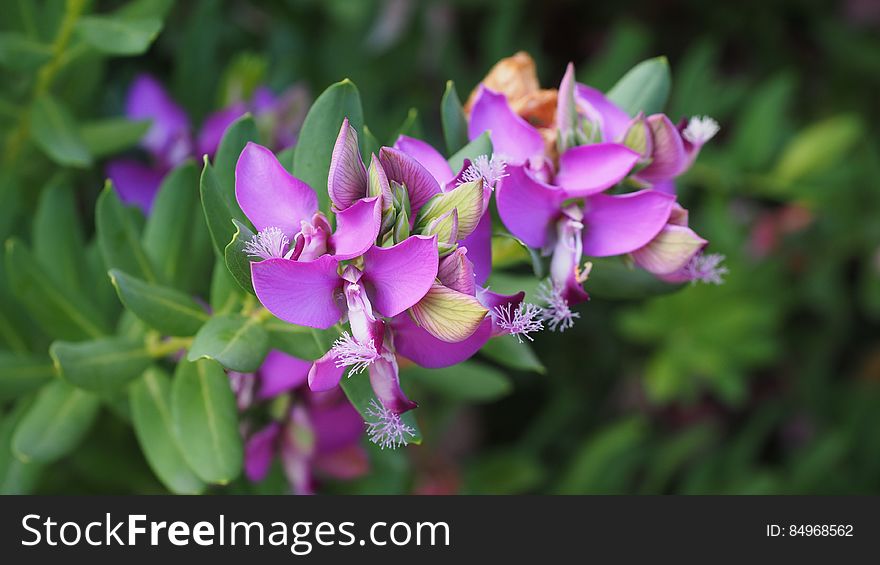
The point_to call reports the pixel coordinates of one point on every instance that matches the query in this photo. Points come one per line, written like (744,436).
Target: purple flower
(554,198)
(318,433)
(171,140)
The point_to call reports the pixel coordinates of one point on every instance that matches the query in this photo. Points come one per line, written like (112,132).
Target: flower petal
(670,251)
(135,182)
(447,314)
(479,248)
(425,350)
(335,421)
(215,126)
(347,179)
(668,158)
(493,300)
(429,157)
(457,272)
(399,276)
(259,452)
(280,373)
(299,292)
(400,167)
(512,137)
(619,224)
(168,138)
(269,195)
(357,228)
(527,206)
(324,374)
(612,119)
(385,380)
(588,169)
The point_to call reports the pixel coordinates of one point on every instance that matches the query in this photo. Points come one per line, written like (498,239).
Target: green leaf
(103,365)
(21,53)
(21,373)
(206,421)
(16,477)
(116,35)
(612,278)
(225,294)
(56,133)
(507,351)
(237,342)
(219,209)
(55,424)
(818,147)
(360,393)
(607,460)
(237,260)
(369,144)
(299,341)
(154,428)
(466,381)
(138,9)
(119,238)
(165,309)
(311,159)
(59,310)
(411,126)
(236,136)
(763,122)
(112,135)
(175,236)
(453,120)
(644,88)
(480,146)
(58,239)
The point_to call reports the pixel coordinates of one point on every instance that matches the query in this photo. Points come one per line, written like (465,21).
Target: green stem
(73,10)
(171,345)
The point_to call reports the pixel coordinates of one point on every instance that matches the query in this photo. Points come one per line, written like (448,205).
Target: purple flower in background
(318,433)
(171,138)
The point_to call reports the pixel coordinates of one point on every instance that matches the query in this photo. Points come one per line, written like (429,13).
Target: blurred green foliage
(769,383)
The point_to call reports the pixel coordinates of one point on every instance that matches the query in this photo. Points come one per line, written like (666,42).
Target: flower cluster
(171,140)
(406,265)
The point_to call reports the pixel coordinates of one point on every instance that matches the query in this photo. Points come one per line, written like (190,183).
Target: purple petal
(457,272)
(269,195)
(512,137)
(668,158)
(280,373)
(493,300)
(168,138)
(263,100)
(670,251)
(667,186)
(479,248)
(400,167)
(424,349)
(215,126)
(588,169)
(299,292)
(619,224)
(429,157)
(357,228)
(526,206)
(399,276)
(136,183)
(385,381)
(347,179)
(612,119)
(324,374)
(337,425)
(259,452)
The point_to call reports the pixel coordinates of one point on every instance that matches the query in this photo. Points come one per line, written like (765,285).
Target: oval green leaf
(237,342)
(165,309)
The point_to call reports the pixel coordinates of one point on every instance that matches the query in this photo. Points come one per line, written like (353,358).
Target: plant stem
(157,348)
(73,10)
